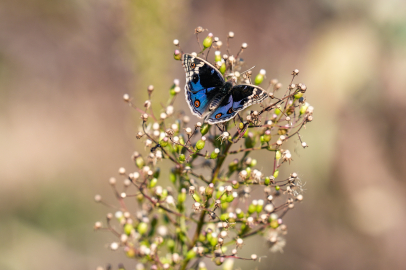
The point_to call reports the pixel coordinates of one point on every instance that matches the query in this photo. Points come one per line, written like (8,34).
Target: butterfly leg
(221,127)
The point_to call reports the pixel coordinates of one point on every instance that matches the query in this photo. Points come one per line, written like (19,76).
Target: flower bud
(190,255)
(260,206)
(128,228)
(153,182)
(164,141)
(208,41)
(209,190)
(217,56)
(182,197)
(298,95)
(200,144)
(139,161)
(215,153)
(276,173)
(204,129)
(303,108)
(142,228)
(223,68)
(260,77)
(182,158)
(274,224)
(177,55)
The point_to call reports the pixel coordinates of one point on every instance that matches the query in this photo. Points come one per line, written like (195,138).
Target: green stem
(200,224)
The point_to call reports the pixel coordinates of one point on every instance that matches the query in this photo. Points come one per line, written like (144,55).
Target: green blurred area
(64,130)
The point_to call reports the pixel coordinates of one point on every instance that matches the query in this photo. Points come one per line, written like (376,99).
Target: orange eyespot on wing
(230,111)
(197,103)
(192,65)
(218,115)
(256,96)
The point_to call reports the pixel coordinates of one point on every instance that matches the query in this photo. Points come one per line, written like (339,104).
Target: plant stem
(200,224)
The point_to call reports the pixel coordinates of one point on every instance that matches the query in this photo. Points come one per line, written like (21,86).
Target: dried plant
(208,212)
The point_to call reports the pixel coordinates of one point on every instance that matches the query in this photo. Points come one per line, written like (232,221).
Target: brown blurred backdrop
(64,130)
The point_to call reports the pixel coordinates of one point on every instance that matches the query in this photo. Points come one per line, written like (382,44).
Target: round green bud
(259,208)
(177,55)
(223,68)
(164,194)
(128,228)
(303,108)
(240,214)
(209,190)
(266,137)
(277,188)
(274,224)
(219,261)
(276,173)
(164,142)
(224,216)
(298,95)
(254,162)
(259,79)
(277,111)
(181,197)
(229,198)
(202,238)
(217,57)
(190,255)
(233,166)
(200,144)
(204,129)
(248,170)
(182,158)
(196,197)
(267,181)
(236,185)
(142,228)
(130,253)
(251,209)
(215,153)
(208,41)
(172,177)
(241,125)
(224,205)
(213,241)
(140,197)
(139,161)
(278,155)
(153,182)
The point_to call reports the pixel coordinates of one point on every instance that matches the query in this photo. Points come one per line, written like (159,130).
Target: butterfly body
(210,97)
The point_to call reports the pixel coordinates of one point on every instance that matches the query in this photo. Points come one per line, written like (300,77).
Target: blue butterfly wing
(241,97)
(245,95)
(203,83)
(223,113)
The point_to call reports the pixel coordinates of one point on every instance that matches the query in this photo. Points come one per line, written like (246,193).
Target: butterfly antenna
(247,70)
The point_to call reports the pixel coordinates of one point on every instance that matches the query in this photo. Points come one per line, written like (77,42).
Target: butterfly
(212,98)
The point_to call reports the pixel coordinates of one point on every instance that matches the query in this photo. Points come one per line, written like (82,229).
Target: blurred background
(64,129)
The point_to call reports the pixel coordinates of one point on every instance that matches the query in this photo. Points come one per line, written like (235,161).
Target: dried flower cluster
(208,212)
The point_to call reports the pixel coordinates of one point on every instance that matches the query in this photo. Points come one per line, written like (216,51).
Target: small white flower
(243,175)
(224,136)
(257,175)
(169,110)
(287,156)
(196,207)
